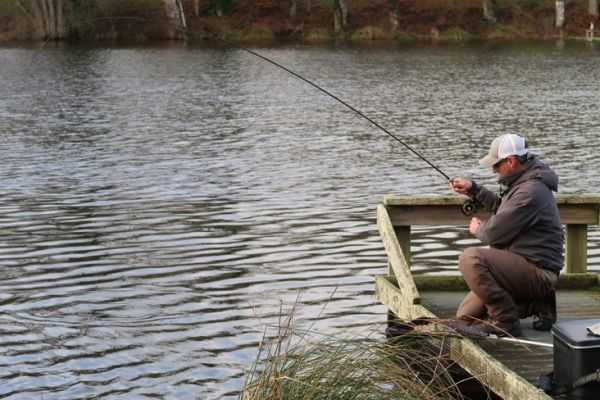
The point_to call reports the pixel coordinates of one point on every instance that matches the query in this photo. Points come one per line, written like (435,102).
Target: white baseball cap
(502,147)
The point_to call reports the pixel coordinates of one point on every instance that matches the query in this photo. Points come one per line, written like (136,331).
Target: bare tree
(48,17)
(394,13)
(490,11)
(175,13)
(340,14)
(293,9)
(560,13)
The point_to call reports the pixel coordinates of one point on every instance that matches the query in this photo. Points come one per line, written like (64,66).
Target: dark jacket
(525,218)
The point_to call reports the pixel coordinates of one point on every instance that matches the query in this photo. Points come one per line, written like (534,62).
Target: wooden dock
(508,369)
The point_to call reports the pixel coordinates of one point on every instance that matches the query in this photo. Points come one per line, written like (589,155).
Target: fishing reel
(468,207)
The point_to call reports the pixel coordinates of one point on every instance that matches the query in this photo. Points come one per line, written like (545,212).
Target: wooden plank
(394,298)
(445,210)
(465,352)
(578,214)
(576,248)
(581,199)
(492,373)
(571,305)
(395,255)
(455,283)
(406,215)
(578,281)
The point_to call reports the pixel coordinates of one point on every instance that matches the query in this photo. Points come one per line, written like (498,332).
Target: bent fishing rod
(468,207)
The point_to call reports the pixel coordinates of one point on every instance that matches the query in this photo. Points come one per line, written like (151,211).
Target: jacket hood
(535,169)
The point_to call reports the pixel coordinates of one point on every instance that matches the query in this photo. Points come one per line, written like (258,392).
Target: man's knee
(468,258)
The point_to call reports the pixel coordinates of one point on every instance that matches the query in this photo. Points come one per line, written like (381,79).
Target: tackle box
(576,354)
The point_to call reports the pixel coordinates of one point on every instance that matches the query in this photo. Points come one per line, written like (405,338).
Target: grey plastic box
(576,353)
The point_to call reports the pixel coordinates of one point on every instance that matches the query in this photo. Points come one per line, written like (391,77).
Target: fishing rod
(468,207)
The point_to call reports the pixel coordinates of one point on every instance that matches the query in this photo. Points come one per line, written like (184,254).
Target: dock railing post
(403,234)
(576,248)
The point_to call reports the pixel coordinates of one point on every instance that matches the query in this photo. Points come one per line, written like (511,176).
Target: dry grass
(306,365)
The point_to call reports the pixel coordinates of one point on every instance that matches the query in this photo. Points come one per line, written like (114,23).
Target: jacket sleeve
(490,200)
(514,216)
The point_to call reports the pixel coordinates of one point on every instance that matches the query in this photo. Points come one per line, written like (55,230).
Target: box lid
(575,333)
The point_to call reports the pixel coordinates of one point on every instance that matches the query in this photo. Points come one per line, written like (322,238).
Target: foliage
(369,33)
(219,7)
(404,37)
(302,365)
(456,34)
(317,34)
(260,33)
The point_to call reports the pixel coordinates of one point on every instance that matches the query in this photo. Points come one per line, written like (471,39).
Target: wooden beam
(395,255)
(455,283)
(394,298)
(445,210)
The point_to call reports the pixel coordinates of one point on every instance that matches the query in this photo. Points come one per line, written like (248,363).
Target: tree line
(51,18)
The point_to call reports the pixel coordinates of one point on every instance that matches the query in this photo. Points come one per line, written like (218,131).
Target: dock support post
(576,248)
(403,235)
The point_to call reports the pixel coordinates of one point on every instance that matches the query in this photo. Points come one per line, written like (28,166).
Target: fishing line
(276,64)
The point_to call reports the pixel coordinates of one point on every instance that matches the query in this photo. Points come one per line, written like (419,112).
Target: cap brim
(488,161)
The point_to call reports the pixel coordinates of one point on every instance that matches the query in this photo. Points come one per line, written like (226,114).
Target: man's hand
(475,222)
(460,185)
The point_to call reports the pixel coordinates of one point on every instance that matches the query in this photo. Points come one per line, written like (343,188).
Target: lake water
(161,206)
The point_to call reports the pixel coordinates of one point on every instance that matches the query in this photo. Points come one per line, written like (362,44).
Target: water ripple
(161,207)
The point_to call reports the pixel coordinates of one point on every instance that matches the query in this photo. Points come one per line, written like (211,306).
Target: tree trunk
(394,14)
(340,12)
(60,18)
(48,17)
(219,7)
(490,13)
(294,9)
(46,7)
(560,13)
(175,14)
(344,9)
(197,8)
(593,8)
(181,14)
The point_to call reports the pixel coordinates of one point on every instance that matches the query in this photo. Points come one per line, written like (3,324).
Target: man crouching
(515,277)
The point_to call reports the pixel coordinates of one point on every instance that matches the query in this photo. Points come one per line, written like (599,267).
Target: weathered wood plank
(391,200)
(395,255)
(395,300)
(455,283)
(445,210)
(578,214)
(576,248)
(465,352)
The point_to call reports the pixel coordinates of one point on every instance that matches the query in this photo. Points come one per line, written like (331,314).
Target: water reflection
(160,206)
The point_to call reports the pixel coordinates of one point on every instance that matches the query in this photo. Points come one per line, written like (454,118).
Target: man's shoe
(499,328)
(545,312)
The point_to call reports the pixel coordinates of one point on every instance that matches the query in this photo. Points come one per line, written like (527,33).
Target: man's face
(505,166)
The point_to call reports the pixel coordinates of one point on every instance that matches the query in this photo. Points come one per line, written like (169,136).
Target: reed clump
(305,365)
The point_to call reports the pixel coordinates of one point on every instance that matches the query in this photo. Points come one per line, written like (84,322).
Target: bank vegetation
(296,20)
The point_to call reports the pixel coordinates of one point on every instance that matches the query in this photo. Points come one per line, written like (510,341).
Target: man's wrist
(474,189)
